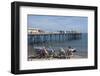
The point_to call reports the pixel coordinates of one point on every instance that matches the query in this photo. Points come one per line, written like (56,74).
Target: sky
(52,23)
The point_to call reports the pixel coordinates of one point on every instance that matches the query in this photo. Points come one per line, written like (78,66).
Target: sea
(81,45)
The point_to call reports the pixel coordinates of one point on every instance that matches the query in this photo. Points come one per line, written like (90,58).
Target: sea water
(81,45)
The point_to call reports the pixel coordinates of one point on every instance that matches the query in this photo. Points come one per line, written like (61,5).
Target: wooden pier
(53,37)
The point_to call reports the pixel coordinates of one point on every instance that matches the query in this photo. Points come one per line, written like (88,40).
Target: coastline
(33,56)
(51,58)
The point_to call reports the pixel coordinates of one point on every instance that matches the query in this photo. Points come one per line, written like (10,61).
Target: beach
(71,57)
(32,55)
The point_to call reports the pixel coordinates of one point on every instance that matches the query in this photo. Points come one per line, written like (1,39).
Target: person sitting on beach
(42,53)
(50,52)
(69,52)
(45,52)
(62,53)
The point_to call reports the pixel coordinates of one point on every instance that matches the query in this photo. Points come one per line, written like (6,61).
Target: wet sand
(52,58)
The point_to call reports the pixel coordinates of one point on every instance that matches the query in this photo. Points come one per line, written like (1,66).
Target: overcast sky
(56,23)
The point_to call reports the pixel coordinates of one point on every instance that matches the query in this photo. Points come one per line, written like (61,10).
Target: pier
(46,37)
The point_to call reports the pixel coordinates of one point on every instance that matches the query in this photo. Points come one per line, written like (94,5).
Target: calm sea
(81,45)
